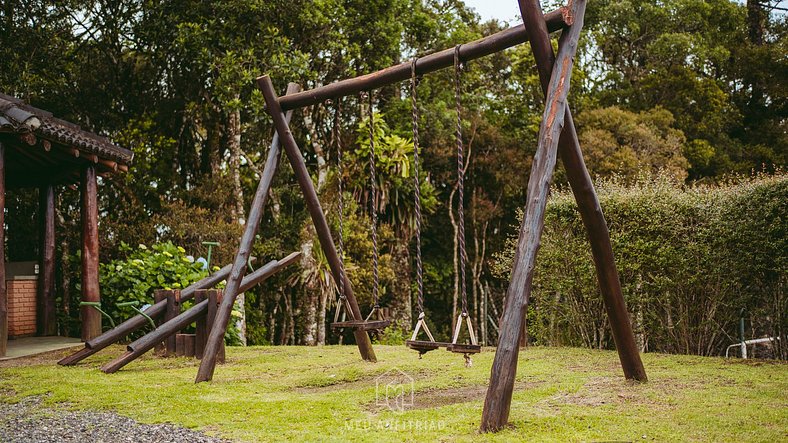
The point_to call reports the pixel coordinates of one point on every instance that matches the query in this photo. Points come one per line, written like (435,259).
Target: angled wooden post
(315,211)
(587,203)
(216,336)
(499,394)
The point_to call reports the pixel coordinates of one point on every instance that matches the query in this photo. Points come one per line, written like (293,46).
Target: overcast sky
(503,10)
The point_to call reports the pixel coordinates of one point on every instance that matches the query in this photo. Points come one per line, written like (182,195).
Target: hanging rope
(374,205)
(342,302)
(417,187)
(460,181)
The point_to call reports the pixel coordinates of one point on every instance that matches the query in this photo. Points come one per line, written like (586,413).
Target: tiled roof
(18,117)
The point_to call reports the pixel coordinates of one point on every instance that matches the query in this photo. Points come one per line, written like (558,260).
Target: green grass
(328,393)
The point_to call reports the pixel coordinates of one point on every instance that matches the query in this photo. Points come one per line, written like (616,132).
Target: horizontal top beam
(479,48)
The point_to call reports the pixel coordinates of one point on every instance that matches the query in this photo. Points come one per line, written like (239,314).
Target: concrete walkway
(22,347)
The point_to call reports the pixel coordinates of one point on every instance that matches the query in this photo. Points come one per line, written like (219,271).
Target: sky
(503,10)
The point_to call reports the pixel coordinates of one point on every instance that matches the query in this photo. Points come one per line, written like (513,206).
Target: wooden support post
(315,211)
(214,300)
(3,289)
(216,336)
(172,311)
(91,318)
(201,327)
(498,400)
(587,203)
(45,304)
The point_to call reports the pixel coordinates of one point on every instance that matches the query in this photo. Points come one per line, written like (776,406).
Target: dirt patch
(435,398)
(44,358)
(340,385)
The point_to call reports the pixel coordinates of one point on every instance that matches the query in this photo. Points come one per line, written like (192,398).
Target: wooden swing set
(557,136)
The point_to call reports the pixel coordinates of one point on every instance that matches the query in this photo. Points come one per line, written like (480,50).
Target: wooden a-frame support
(557,135)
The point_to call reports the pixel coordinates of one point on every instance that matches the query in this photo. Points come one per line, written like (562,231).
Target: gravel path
(30,422)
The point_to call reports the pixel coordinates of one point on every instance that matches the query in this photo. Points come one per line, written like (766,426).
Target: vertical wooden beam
(216,337)
(497,402)
(172,311)
(45,304)
(91,318)
(159,296)
(315,210)
(201,327)
(3,289)
(214,300)
(587,203)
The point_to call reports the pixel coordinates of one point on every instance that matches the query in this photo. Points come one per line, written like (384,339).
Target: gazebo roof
(44,149)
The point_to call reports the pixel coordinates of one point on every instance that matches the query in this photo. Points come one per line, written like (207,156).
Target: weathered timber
(429,63)
(160,298)
(231,291)
(172,310)
(315,210)
(214,299)
(184,345)
(189,316)
(3,289)
(499,393)
(45,301)
(201,328)
(91,318)
(588,204)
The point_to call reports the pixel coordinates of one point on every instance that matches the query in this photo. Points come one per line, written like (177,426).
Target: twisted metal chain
(340,204)
(373,203)
(460,181)
(417,187)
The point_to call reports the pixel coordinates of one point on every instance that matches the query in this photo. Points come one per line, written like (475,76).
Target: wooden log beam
(315,210)
(498,400)
(429,63)
(3,289)
(91,318)
(138,321)
(231,291)
(46,321)
(587,203)
(187,317)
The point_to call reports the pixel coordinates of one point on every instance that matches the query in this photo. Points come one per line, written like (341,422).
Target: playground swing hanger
(424,346)
(375,320)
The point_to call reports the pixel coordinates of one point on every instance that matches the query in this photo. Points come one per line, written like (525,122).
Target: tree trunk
(311,290)
(234,145)
(400,306)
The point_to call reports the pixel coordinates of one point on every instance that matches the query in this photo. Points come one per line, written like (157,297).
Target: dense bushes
(690,259)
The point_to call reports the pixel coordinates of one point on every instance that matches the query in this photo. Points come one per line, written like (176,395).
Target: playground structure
(170,321)
(557,136)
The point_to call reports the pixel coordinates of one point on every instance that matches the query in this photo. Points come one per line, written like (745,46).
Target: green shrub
(690,259)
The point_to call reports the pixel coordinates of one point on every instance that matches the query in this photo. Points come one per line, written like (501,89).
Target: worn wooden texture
(91,318)
(588,204)
(3,289)
(214,300)
(46,320)
(231,291)
(429,63)
(499,394)
(184,345)
(172,310)
(315,210)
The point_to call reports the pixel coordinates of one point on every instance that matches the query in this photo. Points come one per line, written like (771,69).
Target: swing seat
(363,325)
(461,348)
(424,346)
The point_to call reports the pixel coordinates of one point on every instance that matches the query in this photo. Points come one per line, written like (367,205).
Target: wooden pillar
(45,303)
(3,291)
(91,318)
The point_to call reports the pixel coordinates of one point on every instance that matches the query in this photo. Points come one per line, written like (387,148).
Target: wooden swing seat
(461,348)
(363,325)
(424,346)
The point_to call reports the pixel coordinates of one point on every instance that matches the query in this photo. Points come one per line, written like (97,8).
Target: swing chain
(373,204)
(340,206)
(417,185)
(460,180)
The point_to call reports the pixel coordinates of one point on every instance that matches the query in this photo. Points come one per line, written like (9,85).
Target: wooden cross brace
(556,134)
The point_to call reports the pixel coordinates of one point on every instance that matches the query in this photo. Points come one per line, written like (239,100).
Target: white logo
(394,389)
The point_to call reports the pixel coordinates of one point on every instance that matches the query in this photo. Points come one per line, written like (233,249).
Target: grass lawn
(328,393)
